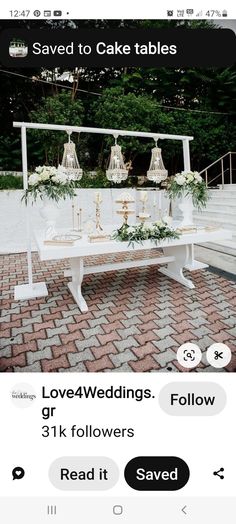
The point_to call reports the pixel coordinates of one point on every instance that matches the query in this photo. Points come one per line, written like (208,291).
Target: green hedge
(98,181)
(11,182)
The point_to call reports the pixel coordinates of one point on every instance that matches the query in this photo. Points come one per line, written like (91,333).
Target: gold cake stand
(125,211)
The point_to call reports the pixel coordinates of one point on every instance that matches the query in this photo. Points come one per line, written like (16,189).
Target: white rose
(39,169)
(33,179)
(197,177)
(51,170)
(55,179)
(45,175)
(60,178)
(190,177)
(130,230)
(180,180)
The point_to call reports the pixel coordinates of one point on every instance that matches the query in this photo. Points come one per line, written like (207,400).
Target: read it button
(83,473)
(157,473)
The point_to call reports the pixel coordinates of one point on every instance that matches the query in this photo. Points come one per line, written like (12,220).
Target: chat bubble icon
(18,473)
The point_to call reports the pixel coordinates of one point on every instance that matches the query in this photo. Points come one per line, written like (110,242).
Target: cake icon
(18,48)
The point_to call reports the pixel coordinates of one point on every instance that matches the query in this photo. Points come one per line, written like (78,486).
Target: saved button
(157,473)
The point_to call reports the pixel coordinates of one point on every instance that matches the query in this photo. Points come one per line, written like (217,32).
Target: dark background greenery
(181,101)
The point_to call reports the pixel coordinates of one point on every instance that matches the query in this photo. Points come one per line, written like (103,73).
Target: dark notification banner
(118,48)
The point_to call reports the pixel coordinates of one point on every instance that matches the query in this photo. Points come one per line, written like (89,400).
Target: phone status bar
(119,12)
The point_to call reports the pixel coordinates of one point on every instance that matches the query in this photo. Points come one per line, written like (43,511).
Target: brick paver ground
(136,320)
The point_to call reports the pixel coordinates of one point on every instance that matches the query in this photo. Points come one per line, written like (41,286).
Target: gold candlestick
(79,219)
(73,215)
(98,217)
(125,210)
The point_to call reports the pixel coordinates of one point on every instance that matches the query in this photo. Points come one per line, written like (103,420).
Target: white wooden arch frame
(39,289)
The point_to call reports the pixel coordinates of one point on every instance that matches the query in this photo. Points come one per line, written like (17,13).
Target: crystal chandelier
(157,172)
(117,171)
(70,161)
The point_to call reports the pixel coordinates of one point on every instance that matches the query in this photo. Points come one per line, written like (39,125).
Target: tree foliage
(59,109)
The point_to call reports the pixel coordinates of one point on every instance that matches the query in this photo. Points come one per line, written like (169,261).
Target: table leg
(77,273)
(192,264)
(175,269)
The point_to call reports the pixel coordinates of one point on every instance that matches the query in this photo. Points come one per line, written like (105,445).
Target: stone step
(220,209)
(222,246)
(224,195)
(216,216)
(214,220)
(227,187)
(216,201)
(221,260)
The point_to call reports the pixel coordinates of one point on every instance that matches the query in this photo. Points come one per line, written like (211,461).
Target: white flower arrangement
(188,183)
(186,177)
(50,182)
(41,174)
(138,233)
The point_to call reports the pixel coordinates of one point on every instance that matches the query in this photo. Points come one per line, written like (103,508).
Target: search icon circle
(189,355)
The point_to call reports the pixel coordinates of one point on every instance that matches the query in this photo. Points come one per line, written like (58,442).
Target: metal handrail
(218,159)
(217,176)
(223,171)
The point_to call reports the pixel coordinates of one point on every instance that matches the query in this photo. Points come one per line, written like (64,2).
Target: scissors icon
(218,355)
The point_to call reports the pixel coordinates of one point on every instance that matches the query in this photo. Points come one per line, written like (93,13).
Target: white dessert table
(176,256)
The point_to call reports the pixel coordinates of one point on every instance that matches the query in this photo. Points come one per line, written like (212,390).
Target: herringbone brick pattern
(136,320)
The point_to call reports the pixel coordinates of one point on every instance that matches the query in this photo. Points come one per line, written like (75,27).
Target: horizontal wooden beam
(100,130)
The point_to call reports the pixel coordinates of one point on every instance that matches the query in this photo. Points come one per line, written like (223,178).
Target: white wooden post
(192,264)
(186,153)
(37,289)
(25,186)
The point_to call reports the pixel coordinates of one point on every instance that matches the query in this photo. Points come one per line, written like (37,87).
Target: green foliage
(93,181)
(139,233)
(10,151)
(59,109)
(50,191)
(11,182)
(117,110)
(100,180)
(213,136)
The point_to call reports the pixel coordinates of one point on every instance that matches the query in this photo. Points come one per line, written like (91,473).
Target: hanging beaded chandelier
(117,171)
(157,172)
(70,161)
